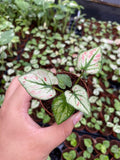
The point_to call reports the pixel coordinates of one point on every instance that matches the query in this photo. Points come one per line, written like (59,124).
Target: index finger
(20,98)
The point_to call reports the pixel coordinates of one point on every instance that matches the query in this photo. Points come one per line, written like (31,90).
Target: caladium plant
(43,84)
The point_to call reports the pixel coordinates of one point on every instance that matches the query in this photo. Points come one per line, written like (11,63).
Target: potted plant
(80,158)
(69,154)
(42,84)
(86,141)
(102,147)
(81,124)
(72,141)
(43,116)
(101,157)
(94,124)
(115,149)
(87,154)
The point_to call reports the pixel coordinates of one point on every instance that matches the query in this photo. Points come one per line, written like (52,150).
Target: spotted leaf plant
(44,85)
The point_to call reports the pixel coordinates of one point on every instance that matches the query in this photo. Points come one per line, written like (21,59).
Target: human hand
(20,137)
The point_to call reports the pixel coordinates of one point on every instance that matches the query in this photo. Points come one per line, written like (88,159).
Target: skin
(20,137)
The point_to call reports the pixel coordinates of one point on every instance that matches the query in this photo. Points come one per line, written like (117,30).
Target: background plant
(103,147)
(71,155)
(116,151)
(72,139)
(89,145)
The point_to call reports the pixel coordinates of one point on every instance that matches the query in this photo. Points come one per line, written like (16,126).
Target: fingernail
(77,118)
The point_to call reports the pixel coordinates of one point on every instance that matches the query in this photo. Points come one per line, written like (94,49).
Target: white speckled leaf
(116,128)
(78,99)
(90,61)
(39,83)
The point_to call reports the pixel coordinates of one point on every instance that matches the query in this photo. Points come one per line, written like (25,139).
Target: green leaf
(106,143)
(117,104)
(73,4)
(64,80)
(90,61)
(46,119)
(59,16)
(38,84)
(114,148)
(2,96)
(90,149)
(117,155)
(98,146)
(61,109)
(73,142)
(80,158)
(104,157)
(78,99)
(103,149)
(6,37)
(86,154)
(71,136)
(38,2)
(40,115)
(71,155)
(87,142)
(23,5)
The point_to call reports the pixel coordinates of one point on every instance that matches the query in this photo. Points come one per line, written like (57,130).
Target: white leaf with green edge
(61,109)
(39,83)
(6,37)
(90,61)
(116,128)
(110,124)
(93,99)
(34,103)
(78,99)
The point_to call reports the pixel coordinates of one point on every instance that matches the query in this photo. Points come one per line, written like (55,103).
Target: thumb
(56,134)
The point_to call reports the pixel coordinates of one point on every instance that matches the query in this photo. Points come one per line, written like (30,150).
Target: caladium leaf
(90,61)
(61,109)
(64,80)
(78,99)
(116,128)
(39,83)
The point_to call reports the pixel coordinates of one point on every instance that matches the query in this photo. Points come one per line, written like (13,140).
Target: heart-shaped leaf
(64,80)
(90,61)
(61,109)
(78,99)
(39,83)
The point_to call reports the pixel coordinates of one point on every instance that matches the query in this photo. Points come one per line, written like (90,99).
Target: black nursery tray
(57,152)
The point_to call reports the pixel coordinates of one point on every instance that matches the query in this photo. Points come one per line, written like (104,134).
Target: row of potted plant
(90,148)
(31,46)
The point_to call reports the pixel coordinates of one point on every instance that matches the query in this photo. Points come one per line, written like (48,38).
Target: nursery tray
(100,11)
